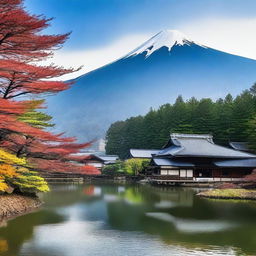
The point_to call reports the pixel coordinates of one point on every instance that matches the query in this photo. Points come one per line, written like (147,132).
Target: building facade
(196,157)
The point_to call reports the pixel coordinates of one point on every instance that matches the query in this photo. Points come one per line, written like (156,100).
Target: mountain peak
(167,38)
(172,34)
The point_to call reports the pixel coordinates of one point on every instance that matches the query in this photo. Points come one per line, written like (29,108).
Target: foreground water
(136,220)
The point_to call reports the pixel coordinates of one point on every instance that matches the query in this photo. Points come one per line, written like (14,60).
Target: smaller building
(94,159)
(99,161)
(196,157)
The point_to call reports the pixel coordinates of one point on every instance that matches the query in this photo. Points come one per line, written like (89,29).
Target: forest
(227,119)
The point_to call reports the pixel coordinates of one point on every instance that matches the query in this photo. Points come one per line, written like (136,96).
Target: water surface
(131,220)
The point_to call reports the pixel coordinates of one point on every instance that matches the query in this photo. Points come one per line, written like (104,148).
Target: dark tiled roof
(250,163)
(143,153)
(171,162)
(108,157)
(199,146)
(242,146)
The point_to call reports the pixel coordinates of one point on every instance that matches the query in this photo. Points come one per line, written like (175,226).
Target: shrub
(129,167)
(135,166)
(114,169)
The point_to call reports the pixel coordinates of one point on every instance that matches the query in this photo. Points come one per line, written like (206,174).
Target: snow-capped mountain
(155,73)
(165,38)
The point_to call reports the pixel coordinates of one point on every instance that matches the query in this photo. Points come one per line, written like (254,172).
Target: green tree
(135,166)
(115,139)
(227,119)
(243,111)
(34,117)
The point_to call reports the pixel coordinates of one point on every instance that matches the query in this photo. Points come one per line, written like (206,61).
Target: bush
(129,167)
(135,166)
(114,169)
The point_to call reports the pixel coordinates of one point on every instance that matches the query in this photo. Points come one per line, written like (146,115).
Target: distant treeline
(228,119)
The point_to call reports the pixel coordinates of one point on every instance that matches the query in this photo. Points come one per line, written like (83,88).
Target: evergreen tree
(243,110)
(115,139)
(227,119)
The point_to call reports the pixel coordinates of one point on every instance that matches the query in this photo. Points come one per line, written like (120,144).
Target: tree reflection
(21,229)
(182,218)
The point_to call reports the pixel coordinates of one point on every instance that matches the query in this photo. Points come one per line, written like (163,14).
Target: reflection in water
(80,220)
(3,246)
(165,204)
(192,226)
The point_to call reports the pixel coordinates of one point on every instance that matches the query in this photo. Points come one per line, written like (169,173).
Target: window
(183,173)
(189,173)
(164,172)
(173,172)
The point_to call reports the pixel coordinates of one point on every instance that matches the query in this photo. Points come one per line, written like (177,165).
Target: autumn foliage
(25,146)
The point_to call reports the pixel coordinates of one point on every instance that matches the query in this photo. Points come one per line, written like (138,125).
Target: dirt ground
(15,205)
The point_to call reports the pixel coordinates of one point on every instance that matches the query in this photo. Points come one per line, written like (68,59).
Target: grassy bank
(15,205)
(229,194)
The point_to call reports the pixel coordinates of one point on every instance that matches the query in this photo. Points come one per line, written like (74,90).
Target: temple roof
(108,157)
(250,163)
(193,145)
(171,162)
(242,146)
(143,153)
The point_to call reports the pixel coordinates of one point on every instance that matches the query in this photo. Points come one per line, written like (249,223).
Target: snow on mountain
(167,38)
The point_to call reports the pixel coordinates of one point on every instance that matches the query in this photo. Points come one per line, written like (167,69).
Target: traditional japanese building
(196,157)
(99,161)
(96,160)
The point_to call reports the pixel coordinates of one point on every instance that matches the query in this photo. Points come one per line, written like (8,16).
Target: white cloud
(236,36)
(92,59)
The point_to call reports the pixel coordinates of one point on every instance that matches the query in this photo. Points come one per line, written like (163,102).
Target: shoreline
(229,194)
(14,205)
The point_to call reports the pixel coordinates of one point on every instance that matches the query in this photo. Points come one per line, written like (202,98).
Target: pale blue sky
(103,30)
(97,22)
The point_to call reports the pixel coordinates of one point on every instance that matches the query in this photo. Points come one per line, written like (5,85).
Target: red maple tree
(22,44)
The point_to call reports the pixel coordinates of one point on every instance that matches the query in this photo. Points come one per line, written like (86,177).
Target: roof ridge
(144,149)
(187,135)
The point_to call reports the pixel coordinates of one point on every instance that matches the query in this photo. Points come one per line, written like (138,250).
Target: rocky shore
(14,205)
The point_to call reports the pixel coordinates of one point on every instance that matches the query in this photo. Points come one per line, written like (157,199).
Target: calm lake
(131,220)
